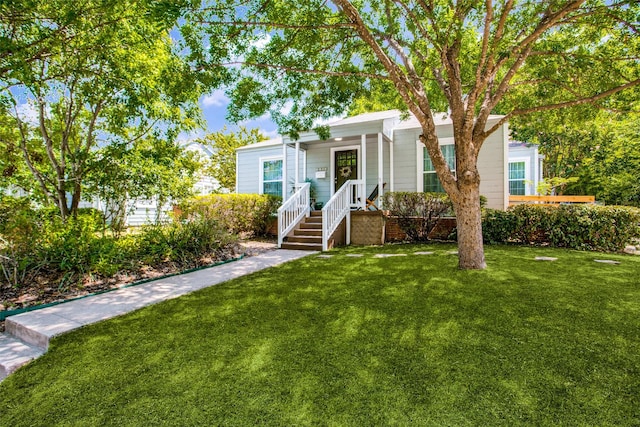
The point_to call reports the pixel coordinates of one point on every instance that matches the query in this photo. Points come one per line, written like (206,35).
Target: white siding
(248,167)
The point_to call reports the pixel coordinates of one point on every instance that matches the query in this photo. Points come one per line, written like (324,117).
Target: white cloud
(185,138)
(28,112)
(217,99)
(262,42)
(271,134)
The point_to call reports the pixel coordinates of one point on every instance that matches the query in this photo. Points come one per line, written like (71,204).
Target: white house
(368,151)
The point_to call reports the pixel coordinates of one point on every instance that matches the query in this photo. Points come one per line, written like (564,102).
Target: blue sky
(214,109)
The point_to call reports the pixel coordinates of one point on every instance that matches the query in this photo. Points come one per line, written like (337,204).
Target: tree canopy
(222,164)
(475,58)
(78,76)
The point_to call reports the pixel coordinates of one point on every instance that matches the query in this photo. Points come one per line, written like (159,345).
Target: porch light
(337,139)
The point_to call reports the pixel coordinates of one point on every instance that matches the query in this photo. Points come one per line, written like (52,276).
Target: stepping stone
(324,256)
(387,255)
(423,253)
(546,258)
(355,255)
(607,261)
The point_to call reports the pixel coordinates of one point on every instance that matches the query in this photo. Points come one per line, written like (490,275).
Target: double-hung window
(517,177)
(271,176)
(431,183)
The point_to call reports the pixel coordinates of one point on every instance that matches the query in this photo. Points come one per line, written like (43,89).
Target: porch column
(363,188)
(284,172)
(392,173)
(297,179)
(380,169)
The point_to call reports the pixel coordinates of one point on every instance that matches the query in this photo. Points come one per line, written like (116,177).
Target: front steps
(308,235)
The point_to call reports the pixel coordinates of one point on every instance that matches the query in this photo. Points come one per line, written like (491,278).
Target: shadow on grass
(360,341)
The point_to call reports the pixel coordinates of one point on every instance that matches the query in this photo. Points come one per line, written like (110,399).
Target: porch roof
(269,143)
(352,128)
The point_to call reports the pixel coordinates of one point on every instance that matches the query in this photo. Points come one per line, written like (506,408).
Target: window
(271,178)
(517,175)
(431,183)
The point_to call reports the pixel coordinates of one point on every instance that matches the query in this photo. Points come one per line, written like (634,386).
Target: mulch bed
(48,288)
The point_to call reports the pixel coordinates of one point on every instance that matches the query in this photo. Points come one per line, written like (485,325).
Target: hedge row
(238,213)
(35,242)
(584,227)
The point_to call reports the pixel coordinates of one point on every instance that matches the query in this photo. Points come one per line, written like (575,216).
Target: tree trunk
(469,228)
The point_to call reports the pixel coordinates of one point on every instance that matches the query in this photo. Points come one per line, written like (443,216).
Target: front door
(346,167)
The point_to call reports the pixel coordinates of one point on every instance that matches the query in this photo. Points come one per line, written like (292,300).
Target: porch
(337,175)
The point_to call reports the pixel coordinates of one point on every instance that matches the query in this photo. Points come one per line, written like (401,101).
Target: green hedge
(585,227)
(238,213)
(417,213)
(36,242)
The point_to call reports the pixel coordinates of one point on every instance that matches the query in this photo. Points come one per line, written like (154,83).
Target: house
(367,151)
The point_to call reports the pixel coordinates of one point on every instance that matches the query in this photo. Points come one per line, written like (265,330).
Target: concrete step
(15,353)
(304,239)
(302,246)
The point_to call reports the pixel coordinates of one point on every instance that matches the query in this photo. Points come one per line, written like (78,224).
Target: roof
(269,143)
(367,117)
(440,119)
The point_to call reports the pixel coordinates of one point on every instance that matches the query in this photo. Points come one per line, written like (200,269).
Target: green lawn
(360,341)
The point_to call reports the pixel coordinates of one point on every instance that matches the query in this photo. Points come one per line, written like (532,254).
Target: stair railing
(293,211)
(339,207)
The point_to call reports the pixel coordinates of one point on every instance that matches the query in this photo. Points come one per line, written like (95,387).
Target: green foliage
(153,168)
(554,185)
(222,165)
(38,242)
(109,74)
(584,227)
(595,151)
(417,213)
(238,213)
(184,242)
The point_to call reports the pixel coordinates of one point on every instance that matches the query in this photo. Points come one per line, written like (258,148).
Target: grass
(360,341)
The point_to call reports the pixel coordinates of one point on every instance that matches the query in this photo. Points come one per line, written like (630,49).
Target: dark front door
(346,167)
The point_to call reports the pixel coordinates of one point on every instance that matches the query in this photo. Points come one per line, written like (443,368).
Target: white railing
(292,211)
(338,207)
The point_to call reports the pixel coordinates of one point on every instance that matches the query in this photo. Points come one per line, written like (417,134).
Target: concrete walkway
(27,335)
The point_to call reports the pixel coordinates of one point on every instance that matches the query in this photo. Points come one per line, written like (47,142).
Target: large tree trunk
(469,227)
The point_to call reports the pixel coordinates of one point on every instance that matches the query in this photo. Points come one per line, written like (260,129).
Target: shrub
(184,242)
(238,213)
(417,213)
(586,227)
(38,243)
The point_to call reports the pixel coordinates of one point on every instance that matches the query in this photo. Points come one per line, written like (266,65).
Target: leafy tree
(222,165)
(114,78)
(597,150)
(153,168)
(478,57)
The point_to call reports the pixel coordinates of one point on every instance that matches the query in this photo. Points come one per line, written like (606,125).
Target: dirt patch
(44,289)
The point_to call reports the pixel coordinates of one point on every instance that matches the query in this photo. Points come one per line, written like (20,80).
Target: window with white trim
(271,176)
(517,178)
(431,182)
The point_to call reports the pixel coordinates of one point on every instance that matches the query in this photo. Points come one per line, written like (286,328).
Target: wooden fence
(550,200)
